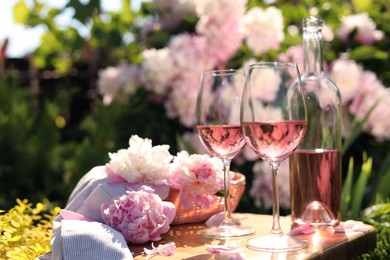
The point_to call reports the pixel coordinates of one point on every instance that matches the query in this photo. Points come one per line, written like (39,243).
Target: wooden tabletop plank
(323,244)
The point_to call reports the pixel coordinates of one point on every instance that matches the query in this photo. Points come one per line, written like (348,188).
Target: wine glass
(219,130)
(273,120)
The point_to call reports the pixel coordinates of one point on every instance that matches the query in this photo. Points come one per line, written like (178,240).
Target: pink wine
(223,141)
(315,179)
(274,141)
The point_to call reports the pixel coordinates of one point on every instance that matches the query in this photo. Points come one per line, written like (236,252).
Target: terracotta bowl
(199,214)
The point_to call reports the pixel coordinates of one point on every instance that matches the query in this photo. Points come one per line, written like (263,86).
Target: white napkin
(82,240)
(92,191)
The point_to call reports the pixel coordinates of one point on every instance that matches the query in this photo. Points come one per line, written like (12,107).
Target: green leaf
(21,12)
(383,183)
(368,53)
(361,5)
(346,191)
(359,188)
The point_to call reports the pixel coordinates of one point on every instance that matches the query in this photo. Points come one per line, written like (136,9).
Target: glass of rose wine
(219,130)
(273,120)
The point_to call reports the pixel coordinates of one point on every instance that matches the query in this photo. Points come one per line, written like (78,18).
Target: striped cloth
(84,240)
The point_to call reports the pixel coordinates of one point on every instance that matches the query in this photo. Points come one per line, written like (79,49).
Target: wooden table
(323,244)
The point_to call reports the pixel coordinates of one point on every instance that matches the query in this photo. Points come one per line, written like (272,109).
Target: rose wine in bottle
(315,167)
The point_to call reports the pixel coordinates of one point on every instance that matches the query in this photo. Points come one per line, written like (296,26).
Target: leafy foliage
(26,230)
(31,163)
(43,156)
(378,215)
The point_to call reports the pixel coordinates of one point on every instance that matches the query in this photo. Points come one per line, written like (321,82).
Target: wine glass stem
(276,229)
(228,220)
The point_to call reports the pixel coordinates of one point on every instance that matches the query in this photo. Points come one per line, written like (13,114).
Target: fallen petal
(351,226)
(302,230)
(230,252)
(167,249)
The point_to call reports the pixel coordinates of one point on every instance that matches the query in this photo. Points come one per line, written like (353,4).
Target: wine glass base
(227,232)
(275,243)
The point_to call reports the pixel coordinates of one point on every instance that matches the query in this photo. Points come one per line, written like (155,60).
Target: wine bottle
(315,167)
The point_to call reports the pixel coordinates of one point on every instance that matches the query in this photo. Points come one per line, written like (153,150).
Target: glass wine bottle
(315,168)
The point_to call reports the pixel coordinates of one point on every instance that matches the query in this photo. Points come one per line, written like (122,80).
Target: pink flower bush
(348,86)
(140,216)
(360,91)
(220,19)
(118,83)
(366,29)
(158,70)
(197,177)
(140,163)
(293,54)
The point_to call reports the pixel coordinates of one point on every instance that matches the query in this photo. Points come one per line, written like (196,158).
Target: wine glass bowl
(219,130)
(273,119)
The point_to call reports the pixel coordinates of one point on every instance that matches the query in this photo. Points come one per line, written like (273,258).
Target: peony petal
(112,176)
(233,252)
(302,230)
(351,226)
(167,249)
(71,215)
(169,210)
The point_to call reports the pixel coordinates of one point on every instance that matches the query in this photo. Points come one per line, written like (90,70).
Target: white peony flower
(366,29)
(118,83)
(159,70)
(264,84)
(220,9)
(263,29)
(182,102)
(141,162)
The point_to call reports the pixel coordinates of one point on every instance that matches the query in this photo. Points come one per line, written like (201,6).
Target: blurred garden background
(101,74)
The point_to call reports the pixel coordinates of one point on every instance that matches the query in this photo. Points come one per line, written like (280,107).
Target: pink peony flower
(140,216)
(263,29)
(366,29)
(261,190)
(197,177)
(139,163)
(220,19)
(118,83)
(346,75)
(327,33)
(189,56)
(293,54)
(182,102)
(377,124)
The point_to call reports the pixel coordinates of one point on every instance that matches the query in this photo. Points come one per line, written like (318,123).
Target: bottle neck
(312,51)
